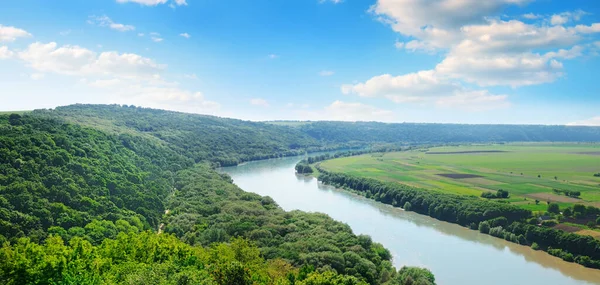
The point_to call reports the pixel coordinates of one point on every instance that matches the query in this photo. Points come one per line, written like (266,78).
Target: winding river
(456,255)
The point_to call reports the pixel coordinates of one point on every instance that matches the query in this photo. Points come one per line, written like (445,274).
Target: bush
(484,227)
(407,206)
(535,246)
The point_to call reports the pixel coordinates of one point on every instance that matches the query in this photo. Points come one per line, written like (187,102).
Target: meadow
(528,171)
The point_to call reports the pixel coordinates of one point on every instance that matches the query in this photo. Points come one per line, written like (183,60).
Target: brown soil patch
(552,198)
(594,234)
(458,175)
(464,152)
(567,228)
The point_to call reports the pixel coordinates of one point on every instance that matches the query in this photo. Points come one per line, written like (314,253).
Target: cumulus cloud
(479,100)
(185,35)
(427,87)
(10,34)
(259,102)
(75,60)
(105,21)
(344,111)
(410,87)
(5,52)
(594,121)
(482,49)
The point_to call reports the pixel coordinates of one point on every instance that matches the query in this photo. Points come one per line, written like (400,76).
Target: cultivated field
(472,169)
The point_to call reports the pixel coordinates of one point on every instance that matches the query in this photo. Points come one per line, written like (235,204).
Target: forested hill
(200,137)
(336,132)
(83,203)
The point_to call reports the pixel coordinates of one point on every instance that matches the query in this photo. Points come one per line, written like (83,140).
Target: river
(456,255)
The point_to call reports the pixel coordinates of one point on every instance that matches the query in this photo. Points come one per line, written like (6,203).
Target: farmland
(529,172)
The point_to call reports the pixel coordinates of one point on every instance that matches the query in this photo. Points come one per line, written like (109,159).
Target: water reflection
(455,254)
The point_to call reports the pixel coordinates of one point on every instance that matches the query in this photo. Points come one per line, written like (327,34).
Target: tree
(407,206)
(484,227)
(553,208)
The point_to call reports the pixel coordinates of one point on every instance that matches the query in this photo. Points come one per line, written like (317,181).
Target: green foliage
(553,208)
(505,221)
(570,193)
(535,246)
(500,194)
(94,185)
(484,227)
(414,276)
(303,168)
(199,137)
(145,258)
(207,208)
(54,174)
(338,132)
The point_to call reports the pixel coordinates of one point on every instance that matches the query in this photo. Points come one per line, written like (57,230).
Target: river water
(456,255)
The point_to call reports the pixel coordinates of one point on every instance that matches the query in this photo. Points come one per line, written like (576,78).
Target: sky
(435,61)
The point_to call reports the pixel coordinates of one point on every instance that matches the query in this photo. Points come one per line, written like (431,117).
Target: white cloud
(563,18)
(105,21)
(331,1)
(65,33)
(344,111)
(185,35)
(480,47)
(144,2)
(75,60)
(593,28)
(558,19)
(326,73)
(141,34)
(5,52)
(181,2)
(405,88)
(259,102)
(191,76)
(513,70)
(531,16)
(436,22)
(480,100)
(595,121)
(10,34)
(427,87)
(155,37)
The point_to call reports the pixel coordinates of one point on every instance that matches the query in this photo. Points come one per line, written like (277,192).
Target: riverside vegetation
(99,194)
(497,218)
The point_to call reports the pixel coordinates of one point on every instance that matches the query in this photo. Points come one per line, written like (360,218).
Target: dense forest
(411,133)
(90,199)
(490,217)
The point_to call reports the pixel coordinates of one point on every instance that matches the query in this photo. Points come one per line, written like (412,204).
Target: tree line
(490,217)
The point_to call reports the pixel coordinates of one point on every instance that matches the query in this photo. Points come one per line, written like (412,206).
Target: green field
(511,167)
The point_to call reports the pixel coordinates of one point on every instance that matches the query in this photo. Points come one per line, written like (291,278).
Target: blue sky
(461,61)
